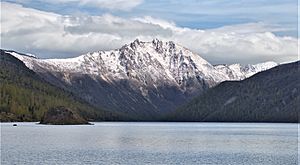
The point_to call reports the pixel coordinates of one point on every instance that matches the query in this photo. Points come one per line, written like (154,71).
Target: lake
(150,143)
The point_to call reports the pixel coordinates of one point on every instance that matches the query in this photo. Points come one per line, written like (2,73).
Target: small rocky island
(62,116)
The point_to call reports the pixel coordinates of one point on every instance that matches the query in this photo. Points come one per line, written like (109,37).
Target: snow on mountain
(160,60)
(141,76)
(250,70)
(240,72)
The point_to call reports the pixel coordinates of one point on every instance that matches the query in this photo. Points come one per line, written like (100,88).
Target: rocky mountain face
(142,79)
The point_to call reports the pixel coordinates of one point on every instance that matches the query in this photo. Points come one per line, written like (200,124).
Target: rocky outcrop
(62,116)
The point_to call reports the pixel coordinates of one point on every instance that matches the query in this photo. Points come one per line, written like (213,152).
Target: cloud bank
(53,35)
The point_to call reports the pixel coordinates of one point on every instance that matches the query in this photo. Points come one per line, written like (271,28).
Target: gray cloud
(108,24)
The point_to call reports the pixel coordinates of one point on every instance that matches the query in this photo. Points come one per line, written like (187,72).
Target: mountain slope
(24,96)
(269,96)
(142,79)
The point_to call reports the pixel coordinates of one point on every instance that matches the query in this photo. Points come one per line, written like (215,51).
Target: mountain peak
(135,43)
(156,40)
(161,61)
(154,74)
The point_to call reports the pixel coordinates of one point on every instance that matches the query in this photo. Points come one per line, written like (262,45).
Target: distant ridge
(269,96)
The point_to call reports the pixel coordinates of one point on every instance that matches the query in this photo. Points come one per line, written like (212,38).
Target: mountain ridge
(269,96)
(25,96)
(158,46)
(145,78)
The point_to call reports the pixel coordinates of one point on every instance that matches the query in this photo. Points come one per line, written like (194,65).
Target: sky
(221,31)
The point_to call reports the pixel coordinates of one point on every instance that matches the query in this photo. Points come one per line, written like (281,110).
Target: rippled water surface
(150,143)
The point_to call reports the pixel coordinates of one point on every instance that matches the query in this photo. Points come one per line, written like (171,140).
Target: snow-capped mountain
(156,61)
(240,72)
(140,77)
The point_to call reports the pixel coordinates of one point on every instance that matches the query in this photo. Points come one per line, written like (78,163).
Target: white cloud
(112,25)
(258,27)
(34,31)
(155,21)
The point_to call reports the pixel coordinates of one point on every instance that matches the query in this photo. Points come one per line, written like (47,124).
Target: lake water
(150,143)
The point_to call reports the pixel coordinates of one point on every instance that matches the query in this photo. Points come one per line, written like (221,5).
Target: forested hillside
(269,96)
(24,96)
